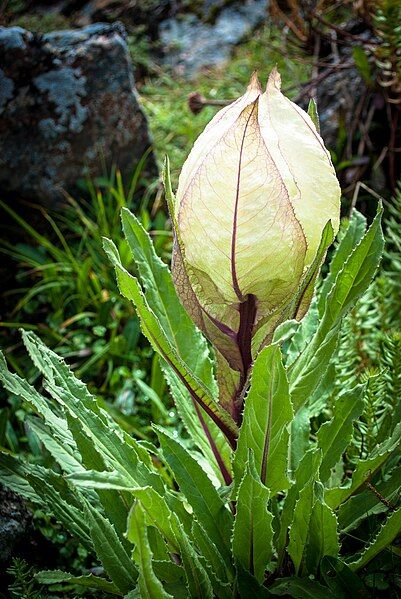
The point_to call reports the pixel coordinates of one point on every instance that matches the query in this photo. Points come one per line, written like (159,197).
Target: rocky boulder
(68,105)
(191,42)
(15,524)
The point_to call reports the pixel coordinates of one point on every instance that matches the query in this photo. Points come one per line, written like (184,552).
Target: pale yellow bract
(253,198)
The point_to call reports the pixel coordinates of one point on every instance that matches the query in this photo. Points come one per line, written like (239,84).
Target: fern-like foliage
(391,373)
(392,252)
(369,349)
(24,586)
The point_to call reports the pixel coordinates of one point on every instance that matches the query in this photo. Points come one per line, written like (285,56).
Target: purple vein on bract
(235,218)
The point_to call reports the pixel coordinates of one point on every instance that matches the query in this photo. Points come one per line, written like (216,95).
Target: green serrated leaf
(131,289)
(62,383)
(159,514)
(300,433)
(305,476)
(306,290)
(221,576)
(114,503)
(50,577)
(323,539)
(351,232)
(20,387)
(303,334)
(253,533)
(116,447)
(301,522)
(248,586)
(149,585)
(386,535)
(193,421)
(49,489)
(13,476)
(267,415)
(162,298)
(207,504)
(334,436)
(364,470)
(93,479)
(285,331)
(109,549)
(168,571)
(65,456)
(198,581)
(356,508)
(351,281)
(158,545)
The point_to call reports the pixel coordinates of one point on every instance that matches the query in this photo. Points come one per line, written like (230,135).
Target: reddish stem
(225,473)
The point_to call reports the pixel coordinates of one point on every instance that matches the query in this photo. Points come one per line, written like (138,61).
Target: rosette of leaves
(207,519)
(261,501)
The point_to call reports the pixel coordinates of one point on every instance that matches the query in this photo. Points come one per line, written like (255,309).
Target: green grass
(65,290)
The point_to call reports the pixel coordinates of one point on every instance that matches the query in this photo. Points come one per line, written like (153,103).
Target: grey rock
(12,38)
(190,44)
(67,104)
(15,523)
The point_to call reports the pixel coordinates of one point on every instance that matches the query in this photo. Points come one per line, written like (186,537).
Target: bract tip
(254,83)
(274,80)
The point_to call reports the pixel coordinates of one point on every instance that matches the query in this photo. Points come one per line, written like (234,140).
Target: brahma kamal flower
(254,197)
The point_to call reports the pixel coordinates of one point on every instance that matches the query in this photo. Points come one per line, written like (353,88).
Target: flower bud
(253,199)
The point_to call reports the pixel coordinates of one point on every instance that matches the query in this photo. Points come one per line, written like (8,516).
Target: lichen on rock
(67,103)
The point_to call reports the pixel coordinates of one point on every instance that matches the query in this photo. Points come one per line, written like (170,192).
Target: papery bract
(253,199)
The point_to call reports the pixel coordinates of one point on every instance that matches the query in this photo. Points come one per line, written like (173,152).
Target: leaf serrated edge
(375,546)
